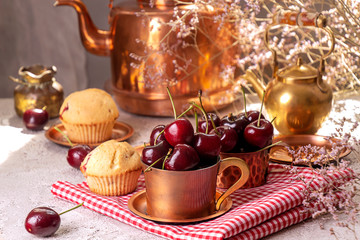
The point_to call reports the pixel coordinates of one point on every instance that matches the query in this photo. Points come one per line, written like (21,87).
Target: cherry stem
(200,101)
(186,111)
(261,107)
(72,208)
(66,137)
(243,91)
(166,157)
(205,115)
(151,165)
(196,121)
(269,146)
(213,124)
(273,120)
(204,111)
(157,137)
(172,102)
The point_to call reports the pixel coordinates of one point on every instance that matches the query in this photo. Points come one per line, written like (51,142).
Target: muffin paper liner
(114,185)
(89,133)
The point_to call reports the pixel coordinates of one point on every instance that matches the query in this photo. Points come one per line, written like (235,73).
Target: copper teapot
(297,97)
(137,28)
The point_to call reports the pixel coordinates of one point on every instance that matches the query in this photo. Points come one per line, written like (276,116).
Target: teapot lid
(299,72)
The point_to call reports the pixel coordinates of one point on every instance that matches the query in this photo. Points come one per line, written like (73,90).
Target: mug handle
(237,162)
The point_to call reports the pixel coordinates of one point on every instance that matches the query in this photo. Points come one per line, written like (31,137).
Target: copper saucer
(279,153)
(137,205)
(120,132)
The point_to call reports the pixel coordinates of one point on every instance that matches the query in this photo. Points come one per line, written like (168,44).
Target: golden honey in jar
(37,88)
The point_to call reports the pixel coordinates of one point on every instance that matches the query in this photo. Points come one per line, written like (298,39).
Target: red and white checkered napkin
(256,212)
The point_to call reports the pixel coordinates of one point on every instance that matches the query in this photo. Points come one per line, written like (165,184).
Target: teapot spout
(256,83)
(94,40)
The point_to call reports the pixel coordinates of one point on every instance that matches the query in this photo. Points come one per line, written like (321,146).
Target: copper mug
(258,163)
(180,195)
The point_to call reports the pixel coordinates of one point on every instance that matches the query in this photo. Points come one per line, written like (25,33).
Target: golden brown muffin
(112,168)
(89,116)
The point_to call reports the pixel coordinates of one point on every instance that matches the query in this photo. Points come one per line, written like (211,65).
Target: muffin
(112,168)
(89,116)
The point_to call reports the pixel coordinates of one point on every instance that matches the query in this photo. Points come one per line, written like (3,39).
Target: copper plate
(120,132)
(137,205)
(279,154)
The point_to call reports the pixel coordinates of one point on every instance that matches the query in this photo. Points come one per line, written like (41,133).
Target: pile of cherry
(178,146)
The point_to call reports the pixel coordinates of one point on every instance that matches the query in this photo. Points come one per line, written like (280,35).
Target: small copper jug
(38,88)
(297,97)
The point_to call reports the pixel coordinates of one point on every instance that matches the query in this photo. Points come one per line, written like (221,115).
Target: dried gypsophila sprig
(323,195)
(186,28)
(342,71)
(251,18)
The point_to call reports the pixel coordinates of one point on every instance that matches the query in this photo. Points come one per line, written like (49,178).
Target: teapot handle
(302,19)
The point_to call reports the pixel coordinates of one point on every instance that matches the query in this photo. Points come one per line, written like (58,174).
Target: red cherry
(151,154)
(238,123)
(259,135)
(253,115)
(180,131)
(155,133)
(35,119)
(183,157)
(202,122)
(206,145)
(77,154)
(42,222)
(228,138)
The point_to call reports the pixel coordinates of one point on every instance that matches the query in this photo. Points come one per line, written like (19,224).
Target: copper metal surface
(280,154)
(298,97)
(258,163)
(134,25)
(137,204)
(121,131)
(184,195)
(38,88)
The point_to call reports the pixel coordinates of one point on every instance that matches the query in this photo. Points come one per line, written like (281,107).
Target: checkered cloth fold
(255,213)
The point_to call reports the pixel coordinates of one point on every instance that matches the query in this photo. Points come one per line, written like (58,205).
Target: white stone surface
(30,164)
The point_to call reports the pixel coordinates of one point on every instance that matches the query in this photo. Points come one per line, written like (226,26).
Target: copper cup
(180,195)
(258,163)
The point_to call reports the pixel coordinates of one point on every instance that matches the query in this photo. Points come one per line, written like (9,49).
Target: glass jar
(38,88)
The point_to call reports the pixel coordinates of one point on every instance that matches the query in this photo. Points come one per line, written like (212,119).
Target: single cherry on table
(35,119)
(76,154)
(44,221)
